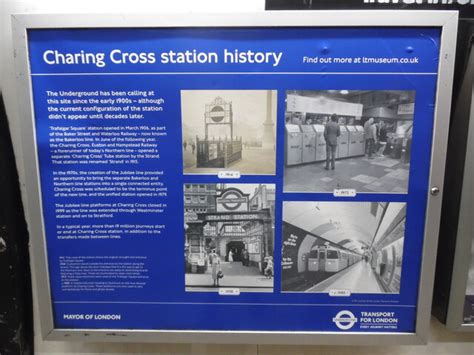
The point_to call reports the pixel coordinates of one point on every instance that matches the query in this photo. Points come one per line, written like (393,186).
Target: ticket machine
(353,140)
(309,143)
(343,143)
(294,145)
(359,148)
(320,142)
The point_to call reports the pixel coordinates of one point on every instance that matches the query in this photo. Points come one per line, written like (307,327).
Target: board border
(446,21)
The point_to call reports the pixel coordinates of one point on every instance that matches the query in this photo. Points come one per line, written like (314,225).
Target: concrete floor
(236,275)
(358,278)
(381,174)
(255,161)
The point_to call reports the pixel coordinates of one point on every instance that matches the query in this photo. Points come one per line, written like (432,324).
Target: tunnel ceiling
(354,244)
(350,224)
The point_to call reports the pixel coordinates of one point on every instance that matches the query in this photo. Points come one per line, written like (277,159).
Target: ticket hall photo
(348,139)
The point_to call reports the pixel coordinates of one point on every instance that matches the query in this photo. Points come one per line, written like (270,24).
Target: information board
(175,198)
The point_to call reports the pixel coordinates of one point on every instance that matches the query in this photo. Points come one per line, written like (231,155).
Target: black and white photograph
(229,237)
(468,317)
(348,139)
(348,247)
(229,130)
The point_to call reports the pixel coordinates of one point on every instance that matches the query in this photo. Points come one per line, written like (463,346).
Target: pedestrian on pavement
(331,132)
(216,267)
(193,147)
(230,258)
(185,144)
(269,268)
(245,257)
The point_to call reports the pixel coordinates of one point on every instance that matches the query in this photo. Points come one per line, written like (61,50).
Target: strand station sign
(232,216)
(233,206)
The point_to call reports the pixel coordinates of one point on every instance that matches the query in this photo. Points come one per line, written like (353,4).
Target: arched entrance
(245,230)
(237,247)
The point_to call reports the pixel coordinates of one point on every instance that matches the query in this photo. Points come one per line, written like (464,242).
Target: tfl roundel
(217,114)
(232,200)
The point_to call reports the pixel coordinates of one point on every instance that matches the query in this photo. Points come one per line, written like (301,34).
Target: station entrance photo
(229,237)
(355,247)
(338,139)
(229,130)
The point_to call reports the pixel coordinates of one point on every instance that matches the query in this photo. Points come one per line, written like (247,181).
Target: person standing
(372,139)
(331,132)
(216,267)
(245,257)
(382,138)
(269,268)
(193,147)
(367,135)
(185,144)
(230,258)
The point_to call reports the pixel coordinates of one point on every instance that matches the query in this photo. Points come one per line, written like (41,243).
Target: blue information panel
(234,179)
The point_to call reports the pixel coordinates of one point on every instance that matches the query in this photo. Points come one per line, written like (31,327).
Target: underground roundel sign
(217,114)
(345,320)
(232,200)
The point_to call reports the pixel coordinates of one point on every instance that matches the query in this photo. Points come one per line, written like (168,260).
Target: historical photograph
(469,301)
(229,130)
(348,139)
(342,247)
(229,237)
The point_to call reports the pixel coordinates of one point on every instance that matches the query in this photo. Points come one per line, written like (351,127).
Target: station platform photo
(355,247)
(348,139)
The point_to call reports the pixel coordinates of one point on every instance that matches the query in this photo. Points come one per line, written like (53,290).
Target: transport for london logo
(345,320)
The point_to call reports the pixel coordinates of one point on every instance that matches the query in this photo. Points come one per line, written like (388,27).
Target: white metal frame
(446,21)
